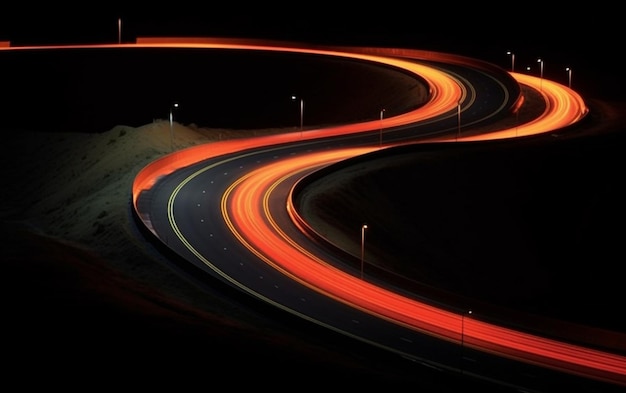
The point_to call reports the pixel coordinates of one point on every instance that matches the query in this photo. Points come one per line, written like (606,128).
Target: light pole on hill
(172,126)
(301,112)
(569,77)
(512,60)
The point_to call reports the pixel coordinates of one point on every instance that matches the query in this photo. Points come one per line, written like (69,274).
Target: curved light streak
(245,206)
(249,217)
(563,108)
(246,211)
(445,94)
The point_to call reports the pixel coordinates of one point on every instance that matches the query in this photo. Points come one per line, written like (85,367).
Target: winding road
(227,209)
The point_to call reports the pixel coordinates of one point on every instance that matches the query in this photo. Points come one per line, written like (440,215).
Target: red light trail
(245,207)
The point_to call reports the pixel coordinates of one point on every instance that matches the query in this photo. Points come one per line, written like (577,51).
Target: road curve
(257,175)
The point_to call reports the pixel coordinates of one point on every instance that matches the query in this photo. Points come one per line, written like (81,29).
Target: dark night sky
(567,38)
(576,37)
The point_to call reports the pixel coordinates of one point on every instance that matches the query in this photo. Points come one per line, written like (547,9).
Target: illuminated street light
(512,60)
(363,228)
(569,77)
(301,112)
(381,127)
(540,73)
(172,126)
(469,312)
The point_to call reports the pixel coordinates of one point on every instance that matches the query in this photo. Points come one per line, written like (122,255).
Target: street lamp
(569,77)
(381,127)
(301,112)
(119,31)
(540,73)
(512,60)
(172,126)
(469,312)
(363,228)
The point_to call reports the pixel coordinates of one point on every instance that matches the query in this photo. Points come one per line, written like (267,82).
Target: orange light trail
(445,94)
(246,208)
(248,215)
(565,106)
(246,204)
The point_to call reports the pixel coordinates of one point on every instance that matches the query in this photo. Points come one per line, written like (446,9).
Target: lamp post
(540,73)
(301,112)
(381,127)
(469,312)
(172,126)
(512,60)
(569,77)
(119,31)
(363,228)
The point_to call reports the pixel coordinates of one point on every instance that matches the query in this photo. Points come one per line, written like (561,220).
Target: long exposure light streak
(250,218)
(245,208)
